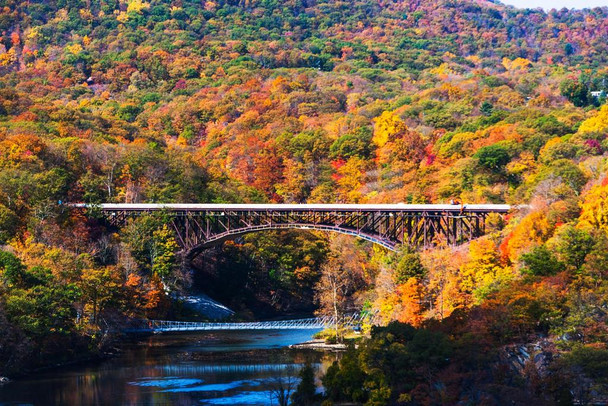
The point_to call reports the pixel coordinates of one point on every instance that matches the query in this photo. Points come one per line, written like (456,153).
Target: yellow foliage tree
(350,181)
(516,64)
(442,70)
(388,125)
(597,123)
(524,164)
(86,14)
(453,92)
(595,208)
(474,58)
(443,286)
(137,6)
(6,58)
(74,49)
(122,17)
(65,266)
(292,189)
(483,269)
(99,286)
(279,85)
(21,148)
(534,229)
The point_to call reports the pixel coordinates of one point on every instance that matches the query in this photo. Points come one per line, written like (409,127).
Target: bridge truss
(198,226)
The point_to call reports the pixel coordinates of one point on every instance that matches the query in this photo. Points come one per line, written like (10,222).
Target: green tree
(345,380)
(357,143)
(306,391)
(551,125)
(408,265)
(486,108)
(493,157)
(8,223)
(151,243)
(540,261)
(573,245)
(576,92)
(42,305)
(12,271)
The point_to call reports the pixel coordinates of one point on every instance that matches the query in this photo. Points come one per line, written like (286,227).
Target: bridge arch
(218,239)
(198,226)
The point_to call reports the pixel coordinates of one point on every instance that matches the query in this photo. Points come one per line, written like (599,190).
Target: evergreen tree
(306,392)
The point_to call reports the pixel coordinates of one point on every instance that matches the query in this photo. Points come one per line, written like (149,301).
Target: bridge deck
(400,207)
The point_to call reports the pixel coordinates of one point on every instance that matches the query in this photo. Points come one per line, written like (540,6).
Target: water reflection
(243,398)
(219,368)
(168,382)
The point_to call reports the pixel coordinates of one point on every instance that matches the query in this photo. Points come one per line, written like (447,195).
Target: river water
(219,368)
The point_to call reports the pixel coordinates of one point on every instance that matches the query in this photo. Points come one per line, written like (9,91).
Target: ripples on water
(229,368)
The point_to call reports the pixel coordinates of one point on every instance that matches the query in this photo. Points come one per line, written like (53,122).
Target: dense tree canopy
(312,101)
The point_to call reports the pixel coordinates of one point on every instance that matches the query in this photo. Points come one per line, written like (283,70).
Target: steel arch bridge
(198,226)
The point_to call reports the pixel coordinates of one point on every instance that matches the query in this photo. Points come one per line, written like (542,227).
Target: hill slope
(308,101)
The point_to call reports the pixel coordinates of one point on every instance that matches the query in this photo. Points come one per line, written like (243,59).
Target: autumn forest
(315,101)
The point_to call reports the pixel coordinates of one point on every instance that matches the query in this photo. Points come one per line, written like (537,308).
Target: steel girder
(197,229)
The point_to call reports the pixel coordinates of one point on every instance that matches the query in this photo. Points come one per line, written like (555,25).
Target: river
(219,368)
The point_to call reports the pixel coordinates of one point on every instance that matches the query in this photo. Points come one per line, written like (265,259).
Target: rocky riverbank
(320,344)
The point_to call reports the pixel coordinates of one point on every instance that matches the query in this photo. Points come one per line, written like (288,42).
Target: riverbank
(321,345)
(64,360)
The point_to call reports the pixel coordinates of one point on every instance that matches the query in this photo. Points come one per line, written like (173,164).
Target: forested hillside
(293,101)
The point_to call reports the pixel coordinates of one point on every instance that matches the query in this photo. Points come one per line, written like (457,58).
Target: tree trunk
(335,300)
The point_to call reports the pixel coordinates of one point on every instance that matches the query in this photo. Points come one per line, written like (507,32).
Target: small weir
(183,370)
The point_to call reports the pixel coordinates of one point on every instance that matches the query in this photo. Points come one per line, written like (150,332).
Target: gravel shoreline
(319,344)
